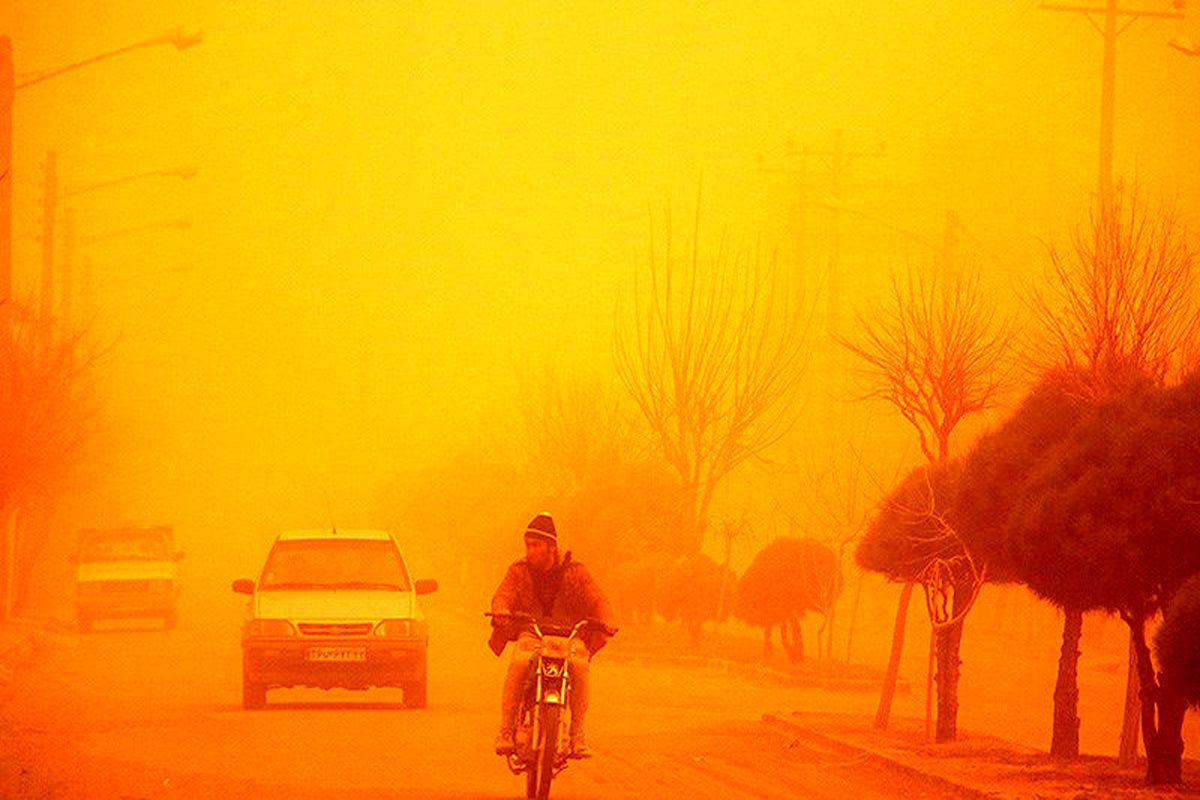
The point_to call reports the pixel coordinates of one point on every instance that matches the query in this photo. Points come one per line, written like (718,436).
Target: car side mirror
(243,586)
(426,586)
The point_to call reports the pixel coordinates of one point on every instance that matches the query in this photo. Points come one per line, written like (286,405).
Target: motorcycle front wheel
(547,751)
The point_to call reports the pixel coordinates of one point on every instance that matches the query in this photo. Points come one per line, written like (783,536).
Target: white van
(123,573)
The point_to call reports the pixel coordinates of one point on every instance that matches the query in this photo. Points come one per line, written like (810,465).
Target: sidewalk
(974,766)
(977,766)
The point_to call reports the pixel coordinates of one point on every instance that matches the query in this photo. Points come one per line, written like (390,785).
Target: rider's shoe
(505,743)
(579,748)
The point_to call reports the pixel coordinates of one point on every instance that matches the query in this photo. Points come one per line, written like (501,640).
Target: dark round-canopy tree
(691,592)
(1109,519)
(995,472)
(915,538)
(788,578)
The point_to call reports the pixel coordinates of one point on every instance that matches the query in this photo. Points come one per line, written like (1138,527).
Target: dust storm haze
(405,214)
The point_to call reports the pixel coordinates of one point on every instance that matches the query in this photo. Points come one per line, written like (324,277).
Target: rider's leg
(510,697)
(580,669)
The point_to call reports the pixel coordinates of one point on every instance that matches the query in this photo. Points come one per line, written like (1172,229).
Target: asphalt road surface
(135,711)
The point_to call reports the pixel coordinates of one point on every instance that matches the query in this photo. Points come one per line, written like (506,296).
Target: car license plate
(336,654)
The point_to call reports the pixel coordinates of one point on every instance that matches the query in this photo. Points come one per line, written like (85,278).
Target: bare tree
(934,352)
(46,412)
(618,500)
(1117,308)
(712,361)
(574,428)
(1120,305)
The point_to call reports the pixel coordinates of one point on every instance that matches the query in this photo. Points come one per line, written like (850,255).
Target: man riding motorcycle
(556,591)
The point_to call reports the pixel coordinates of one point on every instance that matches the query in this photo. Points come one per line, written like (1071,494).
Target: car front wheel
(254,695)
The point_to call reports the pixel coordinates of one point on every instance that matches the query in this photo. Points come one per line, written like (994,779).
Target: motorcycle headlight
(270,627)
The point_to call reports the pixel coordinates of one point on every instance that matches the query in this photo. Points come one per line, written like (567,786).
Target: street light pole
(175,36)
(51,200)
(49,217)
(8,87)
(74,243)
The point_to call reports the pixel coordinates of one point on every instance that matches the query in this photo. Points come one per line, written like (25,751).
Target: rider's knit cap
(542,526)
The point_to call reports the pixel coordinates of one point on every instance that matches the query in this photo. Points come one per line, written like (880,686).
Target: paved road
(140,712)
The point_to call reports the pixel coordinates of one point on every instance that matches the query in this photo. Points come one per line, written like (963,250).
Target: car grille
(115,587)
(334,628)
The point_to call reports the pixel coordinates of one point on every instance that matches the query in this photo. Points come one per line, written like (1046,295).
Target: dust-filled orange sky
(401,206)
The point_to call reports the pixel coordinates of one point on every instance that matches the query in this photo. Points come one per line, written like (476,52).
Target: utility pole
(49,214)
(1110,30)
(837,160)
(67,269)
(7,90)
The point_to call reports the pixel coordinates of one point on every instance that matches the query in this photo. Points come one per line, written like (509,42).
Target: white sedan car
(334,608)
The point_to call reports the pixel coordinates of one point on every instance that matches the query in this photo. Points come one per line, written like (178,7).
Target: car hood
(334,604)
(125,570)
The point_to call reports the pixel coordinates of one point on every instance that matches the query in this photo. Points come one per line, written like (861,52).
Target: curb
(806,733)
(21,637)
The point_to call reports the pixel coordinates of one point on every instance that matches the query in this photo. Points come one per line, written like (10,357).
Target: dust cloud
(405,215)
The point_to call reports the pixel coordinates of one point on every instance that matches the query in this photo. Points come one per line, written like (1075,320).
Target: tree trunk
(793,642)
(1127,752)
(1161,737)
(884,712)
(949,638)
(1164,755)
(1064,740)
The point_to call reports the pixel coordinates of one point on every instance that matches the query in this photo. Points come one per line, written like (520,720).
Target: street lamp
(176,36)
(72,242)
(1185,45)
(184,172)
(8,86)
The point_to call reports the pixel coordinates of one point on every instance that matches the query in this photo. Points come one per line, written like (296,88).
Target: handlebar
(542,630)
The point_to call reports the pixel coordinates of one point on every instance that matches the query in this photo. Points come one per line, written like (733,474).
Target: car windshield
(124,547)
(334,564)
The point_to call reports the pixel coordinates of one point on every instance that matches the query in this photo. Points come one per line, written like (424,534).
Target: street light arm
(185,172)
(1184,45)
(175,36)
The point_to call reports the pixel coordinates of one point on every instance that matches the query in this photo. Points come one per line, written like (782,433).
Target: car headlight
(401,628)
(270,627)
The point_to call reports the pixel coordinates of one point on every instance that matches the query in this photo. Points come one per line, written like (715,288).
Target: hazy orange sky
(402,206)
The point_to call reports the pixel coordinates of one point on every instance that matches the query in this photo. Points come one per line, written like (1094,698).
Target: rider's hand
(500,619)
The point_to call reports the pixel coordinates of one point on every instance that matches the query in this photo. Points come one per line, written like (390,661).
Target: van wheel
(254,695)
(414,694)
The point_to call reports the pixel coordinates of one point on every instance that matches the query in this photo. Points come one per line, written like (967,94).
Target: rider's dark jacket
(562,595)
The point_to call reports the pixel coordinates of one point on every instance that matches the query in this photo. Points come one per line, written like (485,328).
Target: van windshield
(124,547)
(334,564)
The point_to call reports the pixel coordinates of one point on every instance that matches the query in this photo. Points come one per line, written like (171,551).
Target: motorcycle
(544,715)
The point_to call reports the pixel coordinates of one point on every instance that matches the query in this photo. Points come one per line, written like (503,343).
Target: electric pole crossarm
(1119,11)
